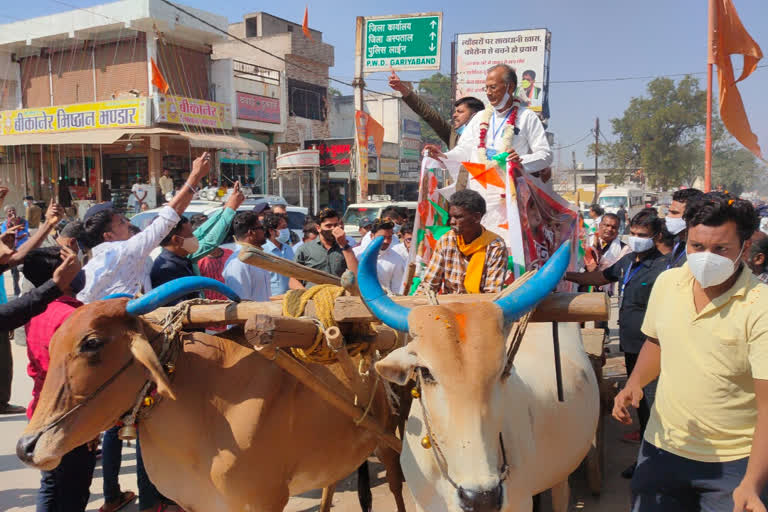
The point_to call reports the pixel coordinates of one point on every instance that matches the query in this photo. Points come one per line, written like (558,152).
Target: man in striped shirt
(468,258)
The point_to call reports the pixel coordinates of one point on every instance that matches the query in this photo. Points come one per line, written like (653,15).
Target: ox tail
(364,495)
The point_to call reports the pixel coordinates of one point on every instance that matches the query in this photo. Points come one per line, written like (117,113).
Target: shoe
(12,409)
(629,472)
(632,437)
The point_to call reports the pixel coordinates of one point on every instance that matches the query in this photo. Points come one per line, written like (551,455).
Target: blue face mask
(78,283)
(284,235)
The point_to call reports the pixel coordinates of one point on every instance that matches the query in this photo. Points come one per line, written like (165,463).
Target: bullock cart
(275,336)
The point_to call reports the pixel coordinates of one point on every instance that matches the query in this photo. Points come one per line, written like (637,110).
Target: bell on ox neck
(127,433)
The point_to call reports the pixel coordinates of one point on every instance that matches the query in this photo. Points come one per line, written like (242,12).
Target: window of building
(587,180)
(307,100)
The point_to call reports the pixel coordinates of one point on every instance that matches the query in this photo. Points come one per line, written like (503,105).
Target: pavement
(19,484)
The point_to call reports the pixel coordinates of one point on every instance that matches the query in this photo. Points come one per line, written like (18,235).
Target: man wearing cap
(390,266)
(364,226)
(118,259)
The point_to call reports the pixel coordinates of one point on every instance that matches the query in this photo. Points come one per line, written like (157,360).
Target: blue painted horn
(385,309)
(535,289)
(118,296)
(176,289)
(514,306)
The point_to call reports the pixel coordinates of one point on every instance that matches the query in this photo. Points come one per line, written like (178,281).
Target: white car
(372,210)
(296,217)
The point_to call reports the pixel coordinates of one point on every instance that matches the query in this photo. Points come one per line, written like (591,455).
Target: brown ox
(238,434)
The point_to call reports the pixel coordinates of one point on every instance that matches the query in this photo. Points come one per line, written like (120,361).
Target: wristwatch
(346,247)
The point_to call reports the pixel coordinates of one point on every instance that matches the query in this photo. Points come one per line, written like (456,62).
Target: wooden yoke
(258,258)
(557,307)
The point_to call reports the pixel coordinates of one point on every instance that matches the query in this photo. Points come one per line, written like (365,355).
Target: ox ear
(145,354)
(398,366)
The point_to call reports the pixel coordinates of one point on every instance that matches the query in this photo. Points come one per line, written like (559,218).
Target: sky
(595,40)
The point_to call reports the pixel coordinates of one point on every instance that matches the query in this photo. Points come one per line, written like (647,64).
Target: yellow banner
(193,112)
(81,116)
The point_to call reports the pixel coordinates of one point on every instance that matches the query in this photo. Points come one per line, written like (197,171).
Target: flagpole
(710,64)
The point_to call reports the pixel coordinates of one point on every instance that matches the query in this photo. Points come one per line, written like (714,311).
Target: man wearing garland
(505,126)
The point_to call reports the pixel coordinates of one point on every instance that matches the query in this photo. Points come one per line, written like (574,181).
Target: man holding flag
(505,126)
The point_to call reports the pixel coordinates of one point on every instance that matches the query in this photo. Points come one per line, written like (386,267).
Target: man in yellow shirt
(706,444)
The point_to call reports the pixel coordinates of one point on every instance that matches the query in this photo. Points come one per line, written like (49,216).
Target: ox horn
(176,289)
(145,354)
(535,289)
(384,308)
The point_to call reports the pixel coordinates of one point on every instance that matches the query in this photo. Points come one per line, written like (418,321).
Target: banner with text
(524,50)
(252,107)
(193,112)
(131,113)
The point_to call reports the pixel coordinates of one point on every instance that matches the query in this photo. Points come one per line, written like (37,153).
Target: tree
(661,133)
(436,90)
(332,91)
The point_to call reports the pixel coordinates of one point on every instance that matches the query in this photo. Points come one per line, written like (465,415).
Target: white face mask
(283,235)
(711,269)
(674,224)
(191,245)
(500,106)
(639,244)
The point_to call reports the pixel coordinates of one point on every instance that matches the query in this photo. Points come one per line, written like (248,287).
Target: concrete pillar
(155,157)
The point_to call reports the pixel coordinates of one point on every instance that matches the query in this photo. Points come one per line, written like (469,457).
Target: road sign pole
(359,84)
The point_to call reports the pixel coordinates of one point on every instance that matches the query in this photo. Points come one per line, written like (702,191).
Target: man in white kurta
(529,145)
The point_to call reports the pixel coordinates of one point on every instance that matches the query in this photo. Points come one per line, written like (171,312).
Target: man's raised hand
(395,83)
(236,198)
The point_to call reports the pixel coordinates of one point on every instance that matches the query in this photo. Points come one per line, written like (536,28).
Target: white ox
(477,440)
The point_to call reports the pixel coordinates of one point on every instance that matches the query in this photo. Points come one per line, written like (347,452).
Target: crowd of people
(693,310)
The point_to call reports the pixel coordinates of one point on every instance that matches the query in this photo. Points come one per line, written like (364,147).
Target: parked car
(355,212)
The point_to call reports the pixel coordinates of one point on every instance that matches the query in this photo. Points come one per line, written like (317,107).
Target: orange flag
(484,175)
(376,131)
(731,38)
(305,24)
(158,80)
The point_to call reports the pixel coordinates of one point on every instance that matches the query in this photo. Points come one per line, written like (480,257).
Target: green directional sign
(404,42)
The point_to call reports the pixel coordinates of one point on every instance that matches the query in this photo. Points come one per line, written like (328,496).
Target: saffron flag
(376,131)
(484,175)
(305,24)
(158,80)
(731,38)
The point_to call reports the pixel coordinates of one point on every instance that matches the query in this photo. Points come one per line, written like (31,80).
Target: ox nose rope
(442,462)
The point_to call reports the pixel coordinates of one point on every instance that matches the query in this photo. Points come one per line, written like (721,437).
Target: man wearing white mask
(636,273)
(676,224)
(278,235)
(706,445)
(506,125)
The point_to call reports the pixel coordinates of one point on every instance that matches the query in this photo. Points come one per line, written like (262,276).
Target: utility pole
(359,84)
(597,152)
(573,157)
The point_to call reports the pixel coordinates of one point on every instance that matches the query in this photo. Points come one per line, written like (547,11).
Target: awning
(216,141)
(105,136)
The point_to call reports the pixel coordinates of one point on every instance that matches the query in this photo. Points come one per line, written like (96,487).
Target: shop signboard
(411,127)
(132,113)
(334,153)
(410,149)
(301,158)
(252,107)
(409,170)
(524,50)
(403,42)
(193,112)
(388,169)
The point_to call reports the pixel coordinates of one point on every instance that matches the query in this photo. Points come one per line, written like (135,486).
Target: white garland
(507,135)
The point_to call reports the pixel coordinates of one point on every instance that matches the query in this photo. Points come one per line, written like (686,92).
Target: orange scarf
(475,251)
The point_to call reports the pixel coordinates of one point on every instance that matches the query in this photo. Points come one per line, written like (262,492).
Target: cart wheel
(595,460)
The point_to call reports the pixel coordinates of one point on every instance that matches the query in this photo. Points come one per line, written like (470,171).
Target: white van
(612,198)
(372,209)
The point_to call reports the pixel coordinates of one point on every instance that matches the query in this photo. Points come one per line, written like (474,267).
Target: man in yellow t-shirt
(706,444)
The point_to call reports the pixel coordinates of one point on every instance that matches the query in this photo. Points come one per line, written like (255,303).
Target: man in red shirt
(66,487)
